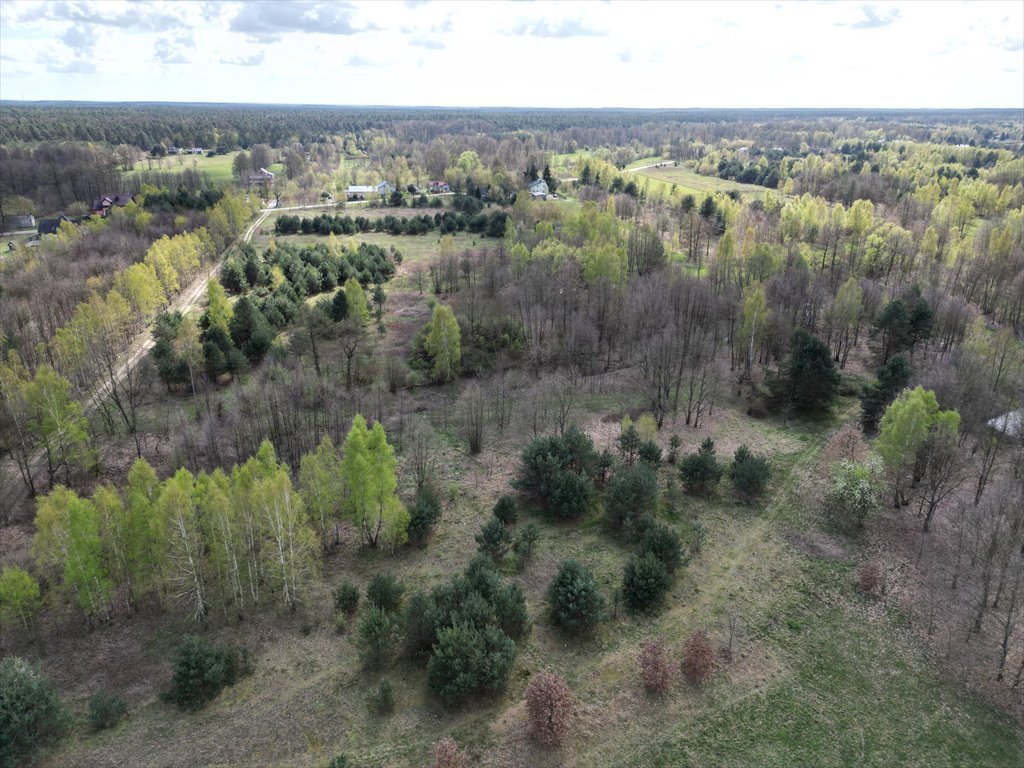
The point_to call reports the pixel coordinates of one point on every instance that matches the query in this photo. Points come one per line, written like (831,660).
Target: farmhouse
(101,206)
(539,190)
(360,191)
(50,226)
(438,187)
(263,176)
(20,221)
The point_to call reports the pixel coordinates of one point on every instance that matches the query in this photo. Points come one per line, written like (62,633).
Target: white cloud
(544,54)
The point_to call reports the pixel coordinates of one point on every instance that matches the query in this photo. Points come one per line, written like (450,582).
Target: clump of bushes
(525,543)
(346,597)
(656,668)
(385,592)
(645,582)
(700,471)
(466,627)
(106,710)
(423,515)
(494,539)
(446,754)
(32,716)
(750,473)
(200,670)
(664,543)
(698,659)
(505,510)
(869,577)
(631,494)
(377,636)
(576,601)
(468,660)
(550,707)
(383,699)
(650,453)
(558,472)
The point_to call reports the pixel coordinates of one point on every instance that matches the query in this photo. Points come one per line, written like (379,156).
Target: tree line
(491,225)
(223,541)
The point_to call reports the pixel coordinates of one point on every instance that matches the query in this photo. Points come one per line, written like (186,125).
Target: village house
(262,176)
(361,191)
(50,226)
(438,187)
(20,221)
(101,206)
(539,190)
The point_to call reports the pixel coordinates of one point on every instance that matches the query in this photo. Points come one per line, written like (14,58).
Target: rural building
(20,221)
(438,187)
(101,205)
(50,226)
(360,191)
(1010,424)
(539,190)
(263,176)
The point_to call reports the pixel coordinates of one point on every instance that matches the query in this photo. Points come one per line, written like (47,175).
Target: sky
(519,54)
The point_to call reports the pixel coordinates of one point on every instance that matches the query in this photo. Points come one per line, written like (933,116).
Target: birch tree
(68,542)
(320,483)
(184,565)
(290,553)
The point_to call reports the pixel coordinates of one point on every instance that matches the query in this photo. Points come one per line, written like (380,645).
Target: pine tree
(811,379)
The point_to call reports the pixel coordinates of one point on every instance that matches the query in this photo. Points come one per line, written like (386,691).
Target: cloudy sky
(541,54)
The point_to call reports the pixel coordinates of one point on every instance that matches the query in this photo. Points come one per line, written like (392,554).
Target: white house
(263,176)
(1010,424)
(361,191)
(539,190)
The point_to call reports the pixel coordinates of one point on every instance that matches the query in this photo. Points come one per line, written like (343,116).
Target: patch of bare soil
(818,544)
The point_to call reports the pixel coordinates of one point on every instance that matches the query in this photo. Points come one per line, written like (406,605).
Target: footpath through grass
(822,676)
(858,690)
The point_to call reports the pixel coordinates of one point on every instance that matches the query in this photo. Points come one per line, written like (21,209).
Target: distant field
(693,183)
(218,167)
(414,248)
(646,161)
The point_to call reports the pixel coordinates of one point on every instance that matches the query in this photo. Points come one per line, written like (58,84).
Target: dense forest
(737,388)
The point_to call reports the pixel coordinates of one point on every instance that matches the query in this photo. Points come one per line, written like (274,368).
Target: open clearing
(218,167)
(662,178)
(822,676)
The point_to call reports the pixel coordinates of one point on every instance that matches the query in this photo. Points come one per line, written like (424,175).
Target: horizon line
(508,108)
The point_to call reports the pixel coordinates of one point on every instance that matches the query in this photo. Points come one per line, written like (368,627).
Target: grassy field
(414,248)
(821,676)
(645,161)
(689,182)
(218,167)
